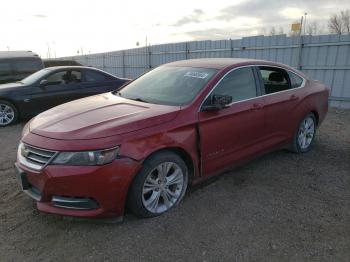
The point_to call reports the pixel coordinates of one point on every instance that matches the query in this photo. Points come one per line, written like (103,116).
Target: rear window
(93,76)
(295,80)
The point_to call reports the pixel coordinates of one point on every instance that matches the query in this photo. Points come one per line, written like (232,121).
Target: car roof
(54,68)
(221,63)
(17,54)
(73,67)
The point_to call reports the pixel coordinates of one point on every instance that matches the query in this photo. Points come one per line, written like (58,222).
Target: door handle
(294,97)
(257,106)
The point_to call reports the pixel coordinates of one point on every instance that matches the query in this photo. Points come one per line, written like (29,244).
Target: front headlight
(26,129)
(86,158)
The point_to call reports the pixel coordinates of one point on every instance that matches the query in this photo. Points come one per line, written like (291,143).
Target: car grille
(33,157)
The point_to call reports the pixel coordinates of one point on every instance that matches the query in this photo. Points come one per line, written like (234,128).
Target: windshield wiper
(132,98)
(138,99)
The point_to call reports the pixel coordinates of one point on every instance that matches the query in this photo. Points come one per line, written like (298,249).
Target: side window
(64,77)
(93,76)
(5,69)
(75,77)
(240,84)
(275,79)
(295,80)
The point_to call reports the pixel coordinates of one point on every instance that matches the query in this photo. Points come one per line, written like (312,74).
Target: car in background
(16,65)
(50,87)
(60,62)
(175,126)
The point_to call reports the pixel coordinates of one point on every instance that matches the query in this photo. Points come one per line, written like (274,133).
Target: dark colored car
(50,87)
(174,126)
(16,65)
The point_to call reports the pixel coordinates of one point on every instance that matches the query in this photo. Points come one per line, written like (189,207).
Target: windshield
(168,85)
(34,77)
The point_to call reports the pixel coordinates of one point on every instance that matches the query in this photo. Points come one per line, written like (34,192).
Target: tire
(8,113)
(305,134)
(159,186)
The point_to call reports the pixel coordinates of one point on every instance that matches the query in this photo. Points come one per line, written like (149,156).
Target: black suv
(16,65)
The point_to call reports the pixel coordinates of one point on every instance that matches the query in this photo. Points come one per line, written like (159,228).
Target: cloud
(40,16)
(253,17)
(218,33)
(272,11)
(195,17)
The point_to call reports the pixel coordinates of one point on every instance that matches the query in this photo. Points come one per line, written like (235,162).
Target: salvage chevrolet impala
(141,146)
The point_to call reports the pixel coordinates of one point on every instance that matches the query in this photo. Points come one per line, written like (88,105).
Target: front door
(236,132)
(60,87)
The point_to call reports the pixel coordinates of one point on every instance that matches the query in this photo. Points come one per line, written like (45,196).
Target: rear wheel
(159,186)
(305,134)
(8,113)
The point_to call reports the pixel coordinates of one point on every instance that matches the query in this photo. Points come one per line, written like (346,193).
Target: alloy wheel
(306,132)
(7,115)
(162,187)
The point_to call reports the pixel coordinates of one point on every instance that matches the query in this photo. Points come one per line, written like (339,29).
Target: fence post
(300,51)
(104,61)
(187,51)
(231,48)
(123,63)
(149,56)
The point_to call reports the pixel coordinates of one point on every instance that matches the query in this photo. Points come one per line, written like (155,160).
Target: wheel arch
(6,99)
(12,102)
(185,156)
(316,116)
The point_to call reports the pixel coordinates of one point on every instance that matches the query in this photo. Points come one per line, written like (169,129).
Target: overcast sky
(66,26)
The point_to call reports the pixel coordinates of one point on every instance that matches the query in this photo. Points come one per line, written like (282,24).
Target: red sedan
(175,126)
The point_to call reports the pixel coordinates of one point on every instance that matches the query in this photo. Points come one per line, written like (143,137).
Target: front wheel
(159,186)
(8,113)
(305,134)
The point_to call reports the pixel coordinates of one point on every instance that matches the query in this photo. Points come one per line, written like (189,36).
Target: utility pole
(305,14)
(48,50)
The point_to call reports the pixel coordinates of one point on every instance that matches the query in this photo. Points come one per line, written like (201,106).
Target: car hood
(100,116)
(9,86)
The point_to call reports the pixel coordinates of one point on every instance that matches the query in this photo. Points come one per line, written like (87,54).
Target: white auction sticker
(196,74)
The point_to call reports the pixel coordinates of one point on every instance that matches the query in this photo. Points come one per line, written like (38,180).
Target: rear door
(236,132)
(95,82)
(282,94)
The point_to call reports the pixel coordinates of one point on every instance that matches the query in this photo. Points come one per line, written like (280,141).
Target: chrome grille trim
(33,157)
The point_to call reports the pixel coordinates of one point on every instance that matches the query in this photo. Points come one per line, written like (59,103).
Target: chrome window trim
(236,68)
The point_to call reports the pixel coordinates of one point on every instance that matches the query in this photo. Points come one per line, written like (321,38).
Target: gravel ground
(280,207)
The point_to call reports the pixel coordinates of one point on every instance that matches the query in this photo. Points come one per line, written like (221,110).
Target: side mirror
(43,83)
(218,102)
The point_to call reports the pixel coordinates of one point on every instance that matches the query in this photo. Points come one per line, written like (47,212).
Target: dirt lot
(281,207)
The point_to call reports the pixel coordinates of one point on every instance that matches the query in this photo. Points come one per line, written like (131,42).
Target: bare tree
(272,31)
(280,30)
(345,19)
(340,23)
(313,28)
(335,24)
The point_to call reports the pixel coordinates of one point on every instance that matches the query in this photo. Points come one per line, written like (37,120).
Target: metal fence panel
(325,58)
